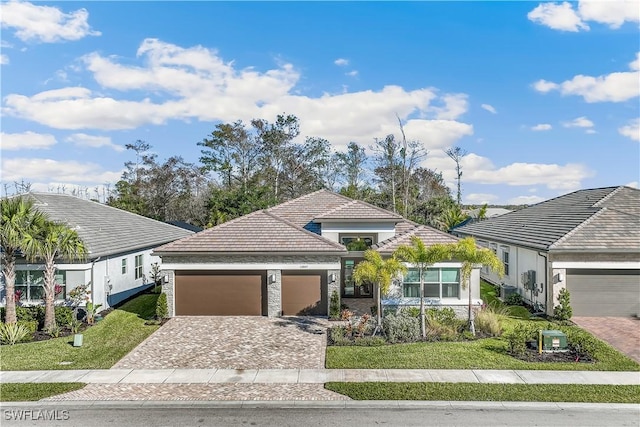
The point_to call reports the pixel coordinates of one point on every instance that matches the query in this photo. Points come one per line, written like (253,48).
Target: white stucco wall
(332,230)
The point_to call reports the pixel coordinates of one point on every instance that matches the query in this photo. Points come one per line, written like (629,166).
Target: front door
(350,289)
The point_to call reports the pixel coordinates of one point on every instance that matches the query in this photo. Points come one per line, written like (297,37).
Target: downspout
(547,281)
(93,263)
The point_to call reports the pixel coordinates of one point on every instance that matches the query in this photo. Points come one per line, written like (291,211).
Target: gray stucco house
(289,259)
(587,241)
(119,245)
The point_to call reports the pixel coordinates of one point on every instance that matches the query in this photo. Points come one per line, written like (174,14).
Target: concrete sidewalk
(318,376)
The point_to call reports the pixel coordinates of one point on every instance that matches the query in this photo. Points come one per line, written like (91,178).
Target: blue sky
(542,96)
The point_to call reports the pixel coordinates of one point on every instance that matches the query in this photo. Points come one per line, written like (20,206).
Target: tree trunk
(423,323)
(9,272)
(49,293)
(379,311)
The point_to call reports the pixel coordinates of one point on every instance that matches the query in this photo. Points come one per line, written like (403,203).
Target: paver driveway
(623,333)
(238,342)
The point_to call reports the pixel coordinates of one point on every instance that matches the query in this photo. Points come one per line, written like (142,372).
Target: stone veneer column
(557,286)
(274,294)
(332,286)
(168,288)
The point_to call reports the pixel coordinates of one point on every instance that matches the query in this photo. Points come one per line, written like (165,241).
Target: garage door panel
(219,294)
(604,292)
(304,293)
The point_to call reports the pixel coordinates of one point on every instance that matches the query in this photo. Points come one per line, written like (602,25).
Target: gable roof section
(105,230)
(566,220)
(428,235)
(304,209)
(257,232)
(358,210)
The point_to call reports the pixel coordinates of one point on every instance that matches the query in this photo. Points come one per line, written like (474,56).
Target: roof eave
(360,220)
(186,253)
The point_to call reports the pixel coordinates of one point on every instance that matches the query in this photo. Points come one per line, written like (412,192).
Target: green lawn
(489,295)
(489,392)
(20,392)
(104,344)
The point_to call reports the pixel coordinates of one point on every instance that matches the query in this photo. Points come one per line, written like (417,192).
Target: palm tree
(470,255)
(19,218)
(421,256)
(374,269)
(451,217)
(53,241)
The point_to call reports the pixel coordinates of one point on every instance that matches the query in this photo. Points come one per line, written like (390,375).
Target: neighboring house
(289,259)
(490,213)
(587,241)
(119,244)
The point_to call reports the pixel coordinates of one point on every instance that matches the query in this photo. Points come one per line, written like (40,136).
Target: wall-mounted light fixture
(272,279)
(166,278)
(559,277)
(332,277)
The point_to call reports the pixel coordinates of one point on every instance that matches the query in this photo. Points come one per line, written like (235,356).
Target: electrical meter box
(554,340)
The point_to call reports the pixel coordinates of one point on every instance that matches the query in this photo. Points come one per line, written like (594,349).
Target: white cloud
(632,184)
(38,170)
(45,23)
(84,140)
(525,200)
(341,62)
(614,87)
(541,127)
(489,108)
(195,83)
(557,16)
(579,122)
(590,131)
(4,59)
(26,141)
(479,198)
(565,17)
(352,73)
(632,130)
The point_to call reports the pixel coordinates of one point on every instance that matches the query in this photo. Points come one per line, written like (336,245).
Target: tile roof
(303,210)
(428,235)
(257,232)
(105,230)
(357,209)
(598,219)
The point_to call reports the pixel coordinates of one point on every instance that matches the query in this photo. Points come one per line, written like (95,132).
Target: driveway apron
(232,342)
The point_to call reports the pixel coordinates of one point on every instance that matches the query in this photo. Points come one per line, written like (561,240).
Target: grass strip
(23,392)
(489,392)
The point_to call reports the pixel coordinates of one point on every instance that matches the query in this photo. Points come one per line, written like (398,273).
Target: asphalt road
(123,416)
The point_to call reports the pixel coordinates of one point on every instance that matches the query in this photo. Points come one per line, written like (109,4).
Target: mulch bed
(558,356)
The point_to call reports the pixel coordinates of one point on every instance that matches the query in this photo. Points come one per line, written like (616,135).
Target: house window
(505,260)
(124,266)
(438,283)
(29,285)
(138,266)
(357,242)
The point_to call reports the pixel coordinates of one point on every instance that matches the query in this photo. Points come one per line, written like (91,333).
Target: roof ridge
(608,196)
(298,228)
(337,208)
(305,196)
(578,227)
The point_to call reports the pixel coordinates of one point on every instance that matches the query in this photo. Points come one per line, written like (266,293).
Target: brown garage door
(225,293)
(604,292)
(304,293)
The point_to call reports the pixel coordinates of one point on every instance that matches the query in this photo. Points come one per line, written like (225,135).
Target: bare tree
(412,153)
(456,154)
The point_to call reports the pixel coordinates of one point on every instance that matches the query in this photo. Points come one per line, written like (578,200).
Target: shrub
(410,311)
(338,336)
(488,322)
(64,315)
(513,299)
(444,315)
(162,310)
(75,326)
(346,314)
(334,306)
(580,341)
(3,314)
(563,310)
(518,337)
(401,328)
(54,331)
(11,333)
(31,326)
(440,331)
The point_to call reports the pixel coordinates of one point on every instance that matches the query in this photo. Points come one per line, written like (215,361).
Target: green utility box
(554,340)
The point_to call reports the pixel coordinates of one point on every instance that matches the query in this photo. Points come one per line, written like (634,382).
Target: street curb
(326,404)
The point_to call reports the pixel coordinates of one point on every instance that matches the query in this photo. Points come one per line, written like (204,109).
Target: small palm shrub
(11,333)
(54,330)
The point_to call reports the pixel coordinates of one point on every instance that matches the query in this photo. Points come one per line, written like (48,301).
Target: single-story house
(119,245)
(290,259)
(587,241)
